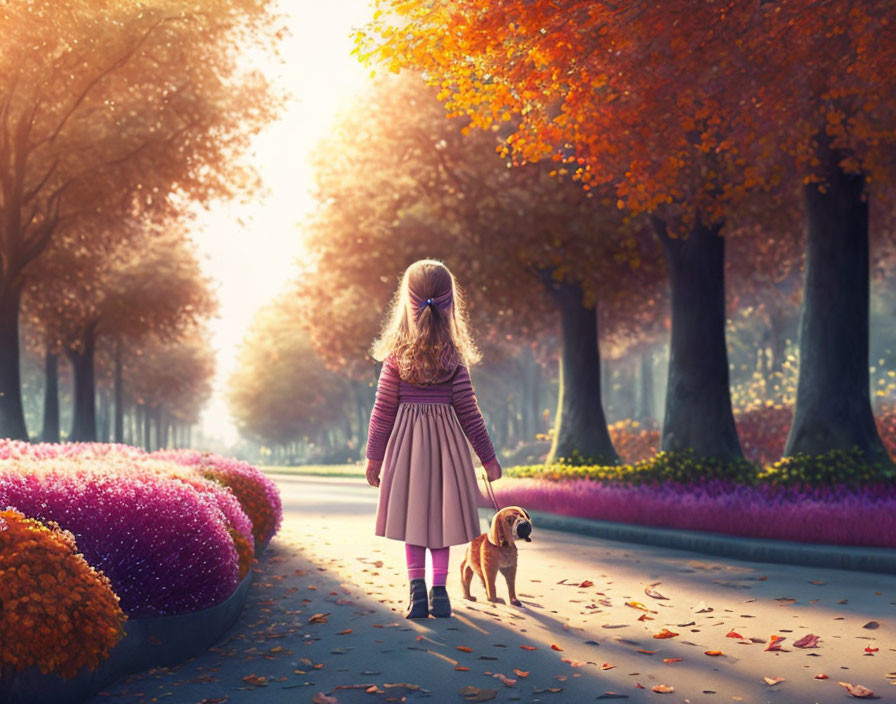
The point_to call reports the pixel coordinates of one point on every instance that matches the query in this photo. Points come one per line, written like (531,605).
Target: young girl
(424,414)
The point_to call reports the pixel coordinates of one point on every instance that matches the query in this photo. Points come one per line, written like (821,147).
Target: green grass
(322,470)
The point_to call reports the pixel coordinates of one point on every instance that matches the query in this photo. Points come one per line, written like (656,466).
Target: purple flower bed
(833,515)
(258,494)
(163,544)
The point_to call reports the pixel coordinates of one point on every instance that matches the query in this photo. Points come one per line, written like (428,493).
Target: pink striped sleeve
(463,398)
(384,409)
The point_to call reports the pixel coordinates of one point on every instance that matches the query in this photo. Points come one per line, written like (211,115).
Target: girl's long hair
(426,339)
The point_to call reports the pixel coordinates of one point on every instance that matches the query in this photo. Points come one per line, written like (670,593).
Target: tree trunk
(645,388)
(119,393)
(104,404)
(12,414)
(51,398)
(147,427)
(698,411)
(833,406)
(84,422)
(580,425)
(161,428)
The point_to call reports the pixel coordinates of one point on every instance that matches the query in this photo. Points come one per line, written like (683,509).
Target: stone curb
(844,557)
(148,642)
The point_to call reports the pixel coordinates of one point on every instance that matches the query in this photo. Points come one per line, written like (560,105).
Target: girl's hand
(493,469)
(373,472)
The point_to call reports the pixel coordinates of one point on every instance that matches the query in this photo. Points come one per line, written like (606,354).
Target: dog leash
(489,490)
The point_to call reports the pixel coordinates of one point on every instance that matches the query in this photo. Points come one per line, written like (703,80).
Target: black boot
(417,606)
(439,603)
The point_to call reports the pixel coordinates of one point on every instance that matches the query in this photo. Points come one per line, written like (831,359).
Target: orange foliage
(59,613)
(686,107)
(635,441)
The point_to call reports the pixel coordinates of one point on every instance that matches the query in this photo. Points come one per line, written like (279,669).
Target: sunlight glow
(252,250)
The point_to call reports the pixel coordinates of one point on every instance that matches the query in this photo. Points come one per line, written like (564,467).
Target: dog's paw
(516,602)
(497,600)
(470,598)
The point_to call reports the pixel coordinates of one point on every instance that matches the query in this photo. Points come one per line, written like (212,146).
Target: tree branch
(117,64)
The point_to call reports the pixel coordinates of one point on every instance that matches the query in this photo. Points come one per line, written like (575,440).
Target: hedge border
(844,557)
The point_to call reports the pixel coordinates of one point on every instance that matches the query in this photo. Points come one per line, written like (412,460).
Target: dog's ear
(525,513)
(495,532)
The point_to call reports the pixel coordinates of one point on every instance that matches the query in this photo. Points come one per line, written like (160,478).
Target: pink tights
(416,555)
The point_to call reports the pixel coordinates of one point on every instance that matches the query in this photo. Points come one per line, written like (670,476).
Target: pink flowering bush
(835,515)
(164,546)
(169,539)
(257,493)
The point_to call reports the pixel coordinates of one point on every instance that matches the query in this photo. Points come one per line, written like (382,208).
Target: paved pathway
(582,633)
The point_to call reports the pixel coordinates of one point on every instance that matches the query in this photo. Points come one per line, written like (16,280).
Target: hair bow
(443,302)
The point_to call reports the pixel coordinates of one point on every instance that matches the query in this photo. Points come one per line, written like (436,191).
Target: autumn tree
(834,110)
(688,108)
(108,114)
(281,390)
(524,245)
(170,381)
(150,284)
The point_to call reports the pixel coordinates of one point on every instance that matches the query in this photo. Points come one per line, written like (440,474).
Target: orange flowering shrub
(48,591)
(253,499)
(244,549)
(635,441)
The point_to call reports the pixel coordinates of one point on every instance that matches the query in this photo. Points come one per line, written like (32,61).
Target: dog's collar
(503,545)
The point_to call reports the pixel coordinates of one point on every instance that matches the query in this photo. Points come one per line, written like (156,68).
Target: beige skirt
(428,492)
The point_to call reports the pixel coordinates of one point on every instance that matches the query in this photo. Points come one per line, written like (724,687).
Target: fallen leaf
(637,605)
(573,663)
(521,673)
(617,625)
(465,649)
(857,690)
(871,625)
(734,634)
(671,659)
(462,668)
(612,695)
(713,653)
(821,676)
(665,633)
(548,689)
(772,681)
(354,686)
(554,646)
(869,649)
(774,642)
(528,647)
(645,617)
(345,632)
(807,641)
(607,666)
(701,608)
(587,583)
(664,688)
(321,698)
(475,694)
(319,618)
(651,592)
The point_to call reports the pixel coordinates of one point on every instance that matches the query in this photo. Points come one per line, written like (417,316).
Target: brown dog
(495,552)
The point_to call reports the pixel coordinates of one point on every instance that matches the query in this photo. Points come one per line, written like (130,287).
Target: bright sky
(252,262)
